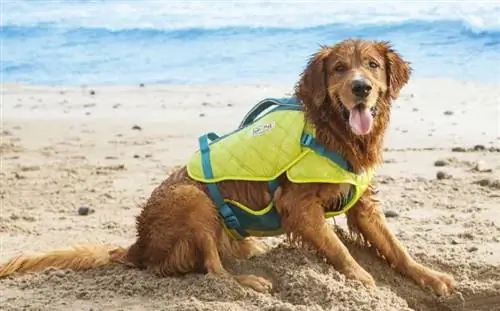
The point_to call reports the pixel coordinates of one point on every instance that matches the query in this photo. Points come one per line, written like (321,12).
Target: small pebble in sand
(488,182)
(59,273)
(448,113)
(19,176)
(14,217)
(391,214)
(30,168)
(137,127)
(443,175)
(472,249)
(440,163)
(386,180)
(454,242)
(458,149)
(83,295)
(136,156)
(483,182)
(92,92)
(230,105)
(495,184)
(202,115)
(29,218)
(84,210)
(479,148)
(466,235)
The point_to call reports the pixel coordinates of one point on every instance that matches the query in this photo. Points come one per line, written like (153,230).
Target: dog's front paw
(440,283)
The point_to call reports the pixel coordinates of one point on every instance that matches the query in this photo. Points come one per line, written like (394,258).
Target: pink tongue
(360,120)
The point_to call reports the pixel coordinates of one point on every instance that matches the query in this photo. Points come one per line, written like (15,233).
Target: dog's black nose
(361,88)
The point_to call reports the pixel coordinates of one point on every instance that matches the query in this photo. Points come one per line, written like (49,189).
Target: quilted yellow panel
(316,168)
(259,152)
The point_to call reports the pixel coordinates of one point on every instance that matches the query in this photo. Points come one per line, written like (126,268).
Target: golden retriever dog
(346,91)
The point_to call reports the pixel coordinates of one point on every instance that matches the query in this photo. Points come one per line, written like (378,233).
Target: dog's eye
(340,68)
(373,64)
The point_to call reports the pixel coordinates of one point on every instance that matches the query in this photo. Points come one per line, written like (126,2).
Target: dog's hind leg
(213,265)
(180,231)
(249,248)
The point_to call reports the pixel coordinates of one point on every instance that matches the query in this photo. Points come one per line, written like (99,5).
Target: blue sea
(185,42)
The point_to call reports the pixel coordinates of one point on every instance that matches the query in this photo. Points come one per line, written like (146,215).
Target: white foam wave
(170,15)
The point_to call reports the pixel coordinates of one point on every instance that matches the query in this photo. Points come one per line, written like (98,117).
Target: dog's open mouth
(360,118)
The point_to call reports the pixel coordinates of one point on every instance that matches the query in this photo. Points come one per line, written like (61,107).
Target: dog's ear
(398,70)
(312,86)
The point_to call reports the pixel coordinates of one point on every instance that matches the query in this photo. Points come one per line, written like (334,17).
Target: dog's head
(353,78)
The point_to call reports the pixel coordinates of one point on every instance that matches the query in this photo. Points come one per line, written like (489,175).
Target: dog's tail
(78,257)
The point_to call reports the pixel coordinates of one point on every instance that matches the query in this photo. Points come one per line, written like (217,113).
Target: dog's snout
(361,88)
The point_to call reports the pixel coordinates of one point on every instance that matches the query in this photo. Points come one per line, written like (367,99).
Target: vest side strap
(227,214)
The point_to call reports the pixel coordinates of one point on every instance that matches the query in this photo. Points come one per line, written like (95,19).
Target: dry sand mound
(301,281)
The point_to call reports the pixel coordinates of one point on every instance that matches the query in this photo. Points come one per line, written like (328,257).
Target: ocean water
(183,42)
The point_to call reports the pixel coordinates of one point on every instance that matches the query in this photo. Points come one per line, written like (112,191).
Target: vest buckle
(229,218)
(306,139)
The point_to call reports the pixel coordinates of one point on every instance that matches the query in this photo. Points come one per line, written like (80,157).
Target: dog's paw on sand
(360,274)
(440,283)
(257,283)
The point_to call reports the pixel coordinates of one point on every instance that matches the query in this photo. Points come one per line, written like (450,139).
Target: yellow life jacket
(278,142)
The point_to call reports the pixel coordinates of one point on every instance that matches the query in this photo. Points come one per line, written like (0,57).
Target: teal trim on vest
(270,221)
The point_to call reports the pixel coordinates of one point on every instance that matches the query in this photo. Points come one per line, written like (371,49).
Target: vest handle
(282,103)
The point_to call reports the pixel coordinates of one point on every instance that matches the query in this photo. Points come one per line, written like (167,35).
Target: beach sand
(63,148)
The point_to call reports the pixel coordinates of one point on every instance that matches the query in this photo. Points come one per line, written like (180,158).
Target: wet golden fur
(179,230)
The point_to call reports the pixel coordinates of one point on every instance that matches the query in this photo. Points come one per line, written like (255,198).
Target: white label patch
(261,129)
